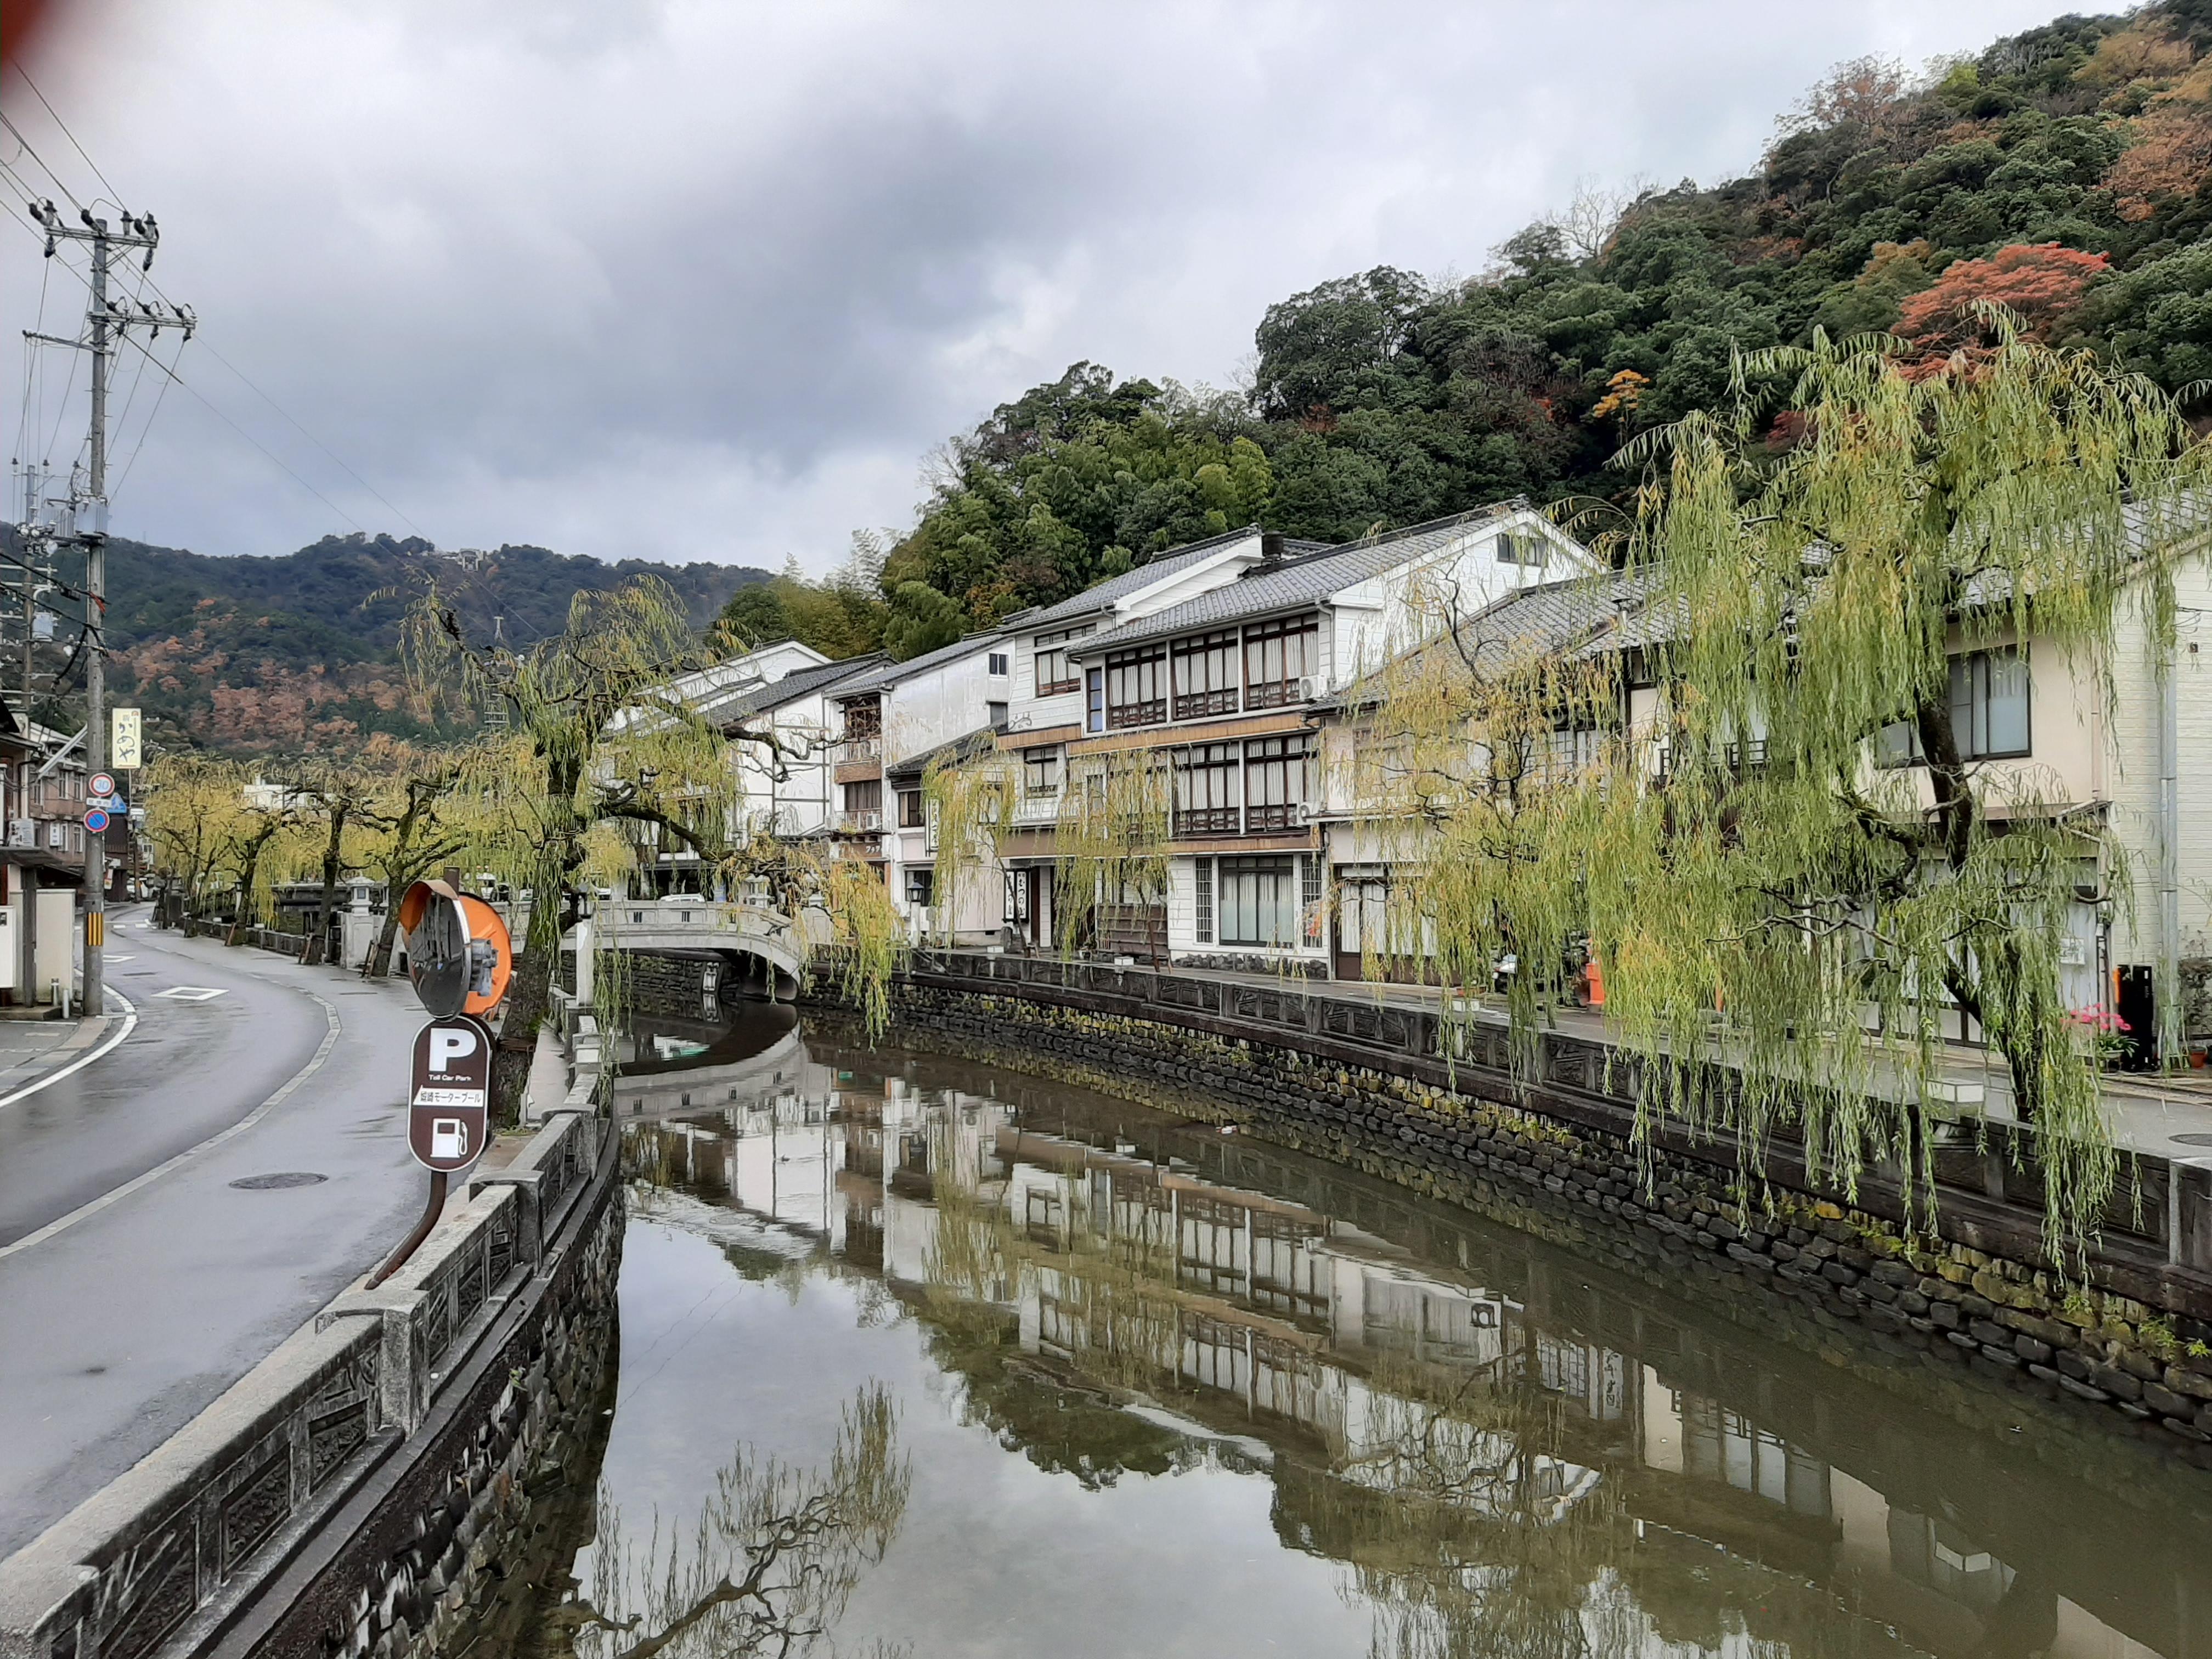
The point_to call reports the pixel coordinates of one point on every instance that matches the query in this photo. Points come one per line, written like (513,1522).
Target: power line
(30,150)
(160,393)
(113,194)
(310,436)
(145,281)
(273,458)
(172,375)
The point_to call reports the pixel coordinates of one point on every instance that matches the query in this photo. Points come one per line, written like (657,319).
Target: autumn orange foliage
(2041,283)
(1621,392)
(2173,159)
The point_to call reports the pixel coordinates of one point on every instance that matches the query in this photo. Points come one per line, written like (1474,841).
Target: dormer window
(1054,674)
(1522,549)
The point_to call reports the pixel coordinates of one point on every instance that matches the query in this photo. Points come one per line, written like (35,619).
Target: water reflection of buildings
(1354,1366)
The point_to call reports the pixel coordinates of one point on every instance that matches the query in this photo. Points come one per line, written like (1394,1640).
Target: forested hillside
(2067,171)
(302,652)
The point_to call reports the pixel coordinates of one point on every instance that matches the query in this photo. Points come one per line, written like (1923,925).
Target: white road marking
(61,1224)
(193,992)
(129,1024)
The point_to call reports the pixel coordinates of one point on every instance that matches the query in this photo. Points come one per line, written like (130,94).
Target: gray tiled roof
(1099,596)
(1581,614)
(1302,581)
(890,673)
(967,746)
(799,683)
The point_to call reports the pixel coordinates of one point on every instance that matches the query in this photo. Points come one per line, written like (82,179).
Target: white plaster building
(1224,656)
(893,721)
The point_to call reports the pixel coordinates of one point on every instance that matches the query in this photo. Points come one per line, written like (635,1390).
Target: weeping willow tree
(598,767)
(1109,819)
(197,818)
(967,805)
(1754,887)
(767,1567)
(415,781)
(1111,835)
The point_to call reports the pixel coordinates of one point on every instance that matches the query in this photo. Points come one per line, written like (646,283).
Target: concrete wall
(947,702)
(1372,621)
(1340,1075)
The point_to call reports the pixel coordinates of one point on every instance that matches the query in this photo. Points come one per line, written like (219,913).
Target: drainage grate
(282,1178)
(2192,1141)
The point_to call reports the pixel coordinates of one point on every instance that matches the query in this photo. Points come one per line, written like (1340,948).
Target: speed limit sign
(102,784)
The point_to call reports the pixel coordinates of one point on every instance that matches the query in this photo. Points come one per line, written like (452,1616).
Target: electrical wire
(161,392)
(142,280)
(31,150)
(25,76)
(133,341)
(147,281)
(30,355)
(126,336)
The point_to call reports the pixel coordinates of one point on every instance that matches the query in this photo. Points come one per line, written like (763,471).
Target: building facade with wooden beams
(900,714)
(1213,671)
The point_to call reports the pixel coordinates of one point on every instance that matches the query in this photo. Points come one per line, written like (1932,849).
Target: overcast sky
(707,280)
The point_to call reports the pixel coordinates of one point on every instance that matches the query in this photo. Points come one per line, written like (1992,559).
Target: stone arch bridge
(764,948)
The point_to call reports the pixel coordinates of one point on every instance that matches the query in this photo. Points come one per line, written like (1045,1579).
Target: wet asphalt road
(119,1327)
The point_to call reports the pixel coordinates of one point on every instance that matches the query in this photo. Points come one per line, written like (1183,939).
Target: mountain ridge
(300,651)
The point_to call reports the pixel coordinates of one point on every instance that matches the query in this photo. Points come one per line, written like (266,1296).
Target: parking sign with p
(449,1109)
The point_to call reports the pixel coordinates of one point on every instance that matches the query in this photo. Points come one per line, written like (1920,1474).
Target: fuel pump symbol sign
(448,1111)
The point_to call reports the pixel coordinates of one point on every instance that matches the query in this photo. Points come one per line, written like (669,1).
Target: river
(920,1356)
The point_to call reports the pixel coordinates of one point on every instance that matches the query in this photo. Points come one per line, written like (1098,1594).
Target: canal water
(920,1356)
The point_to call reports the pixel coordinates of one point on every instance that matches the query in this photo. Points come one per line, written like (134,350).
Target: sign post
(451,1103)
(126,740)
(460,961)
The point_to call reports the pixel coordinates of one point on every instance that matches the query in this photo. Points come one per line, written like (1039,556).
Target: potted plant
(2106,1033)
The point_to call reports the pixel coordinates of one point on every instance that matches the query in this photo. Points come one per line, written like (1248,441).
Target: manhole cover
(2192,1141)
(282,1178)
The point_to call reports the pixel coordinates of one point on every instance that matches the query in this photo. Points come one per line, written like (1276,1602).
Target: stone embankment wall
(355,1493)
(1339,1073)
(682,986)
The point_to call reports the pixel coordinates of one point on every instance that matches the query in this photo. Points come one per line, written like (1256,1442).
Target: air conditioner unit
(1309,687)
(1306,813)
(22,833)
(868,820)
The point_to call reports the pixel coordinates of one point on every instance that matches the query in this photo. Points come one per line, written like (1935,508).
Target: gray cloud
(706,280)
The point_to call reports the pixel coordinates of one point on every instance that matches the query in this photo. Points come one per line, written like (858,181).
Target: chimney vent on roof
(1272,550)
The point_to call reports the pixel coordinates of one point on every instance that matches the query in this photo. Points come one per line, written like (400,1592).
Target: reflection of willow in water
(769,1565)
(1492,1449)
(1466,1532)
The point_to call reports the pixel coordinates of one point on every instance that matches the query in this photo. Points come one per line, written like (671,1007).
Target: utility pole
(107,322)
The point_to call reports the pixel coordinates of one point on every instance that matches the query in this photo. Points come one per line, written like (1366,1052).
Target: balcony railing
(1205,821)
(1196,705)
(867,748)
(1281,814)
(1151,712)
(865,823)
